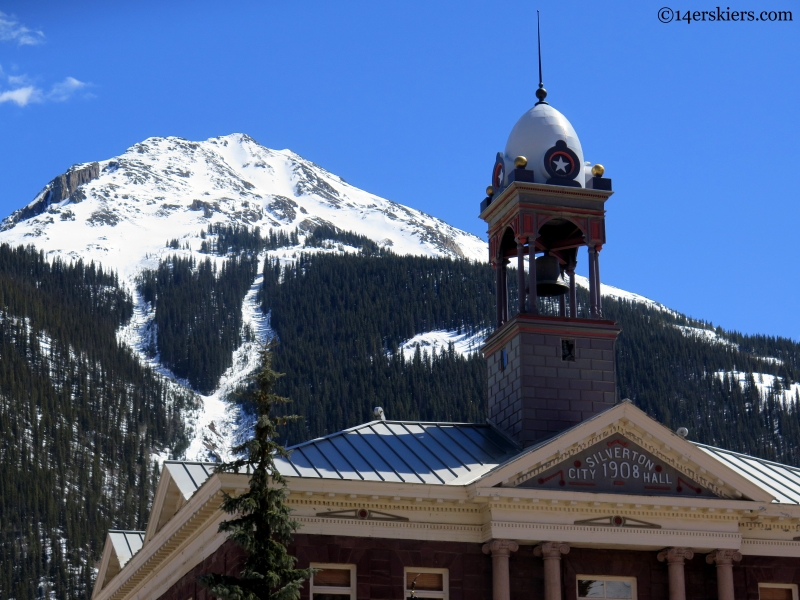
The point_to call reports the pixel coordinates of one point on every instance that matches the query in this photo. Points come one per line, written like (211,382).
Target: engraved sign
(619,466)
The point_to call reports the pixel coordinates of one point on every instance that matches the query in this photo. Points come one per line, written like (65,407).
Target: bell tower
(547,372)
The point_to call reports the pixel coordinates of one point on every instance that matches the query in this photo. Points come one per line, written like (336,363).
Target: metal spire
(541,93)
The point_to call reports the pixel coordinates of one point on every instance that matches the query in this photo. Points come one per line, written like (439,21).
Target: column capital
(675,555)
(723,557)
(551,549)
(500,547)
(521,239)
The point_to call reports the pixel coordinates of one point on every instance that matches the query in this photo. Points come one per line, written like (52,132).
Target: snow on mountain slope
(121,213)
(171,188)
(433,342)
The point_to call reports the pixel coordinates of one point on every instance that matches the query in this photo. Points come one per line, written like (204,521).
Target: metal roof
(125,544)
(189,476)
(403,452)
(781,481)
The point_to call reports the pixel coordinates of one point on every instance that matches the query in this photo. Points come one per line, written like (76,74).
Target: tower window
(568,350)
(503,359)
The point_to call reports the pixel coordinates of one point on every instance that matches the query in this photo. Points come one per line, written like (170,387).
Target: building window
(333,582)
(503,359)
(600,586)
(426,583)
(777,591)
(568,350)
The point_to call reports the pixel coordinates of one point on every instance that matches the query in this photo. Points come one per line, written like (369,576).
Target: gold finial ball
(490,191)
(520,162)
(598,170)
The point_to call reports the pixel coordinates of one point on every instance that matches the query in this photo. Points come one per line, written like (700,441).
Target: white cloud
(21,96)
(65,89)
(18,80)
(12,30)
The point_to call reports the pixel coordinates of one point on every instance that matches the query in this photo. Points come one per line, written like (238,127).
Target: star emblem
(561,164)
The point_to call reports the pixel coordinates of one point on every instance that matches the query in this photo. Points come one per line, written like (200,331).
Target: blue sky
(696,123)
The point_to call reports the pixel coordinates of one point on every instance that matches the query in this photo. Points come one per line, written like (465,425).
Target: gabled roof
(705,467)
(120,546)
(781,481)
(403,452)
(178,481)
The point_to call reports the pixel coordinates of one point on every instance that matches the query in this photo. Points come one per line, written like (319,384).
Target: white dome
(535,133)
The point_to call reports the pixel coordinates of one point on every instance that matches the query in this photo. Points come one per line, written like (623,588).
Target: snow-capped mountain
(121,211)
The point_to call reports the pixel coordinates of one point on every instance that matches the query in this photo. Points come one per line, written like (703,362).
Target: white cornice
(611,537)
(755,547)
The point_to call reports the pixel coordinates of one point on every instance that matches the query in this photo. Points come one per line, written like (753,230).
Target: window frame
(443,595)
(632,580)
(785,586)
(327,589)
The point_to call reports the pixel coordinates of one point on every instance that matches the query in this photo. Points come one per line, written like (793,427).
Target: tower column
(498,283)
(500,550)
(724,561)
(551,553)
(573,297)
(532,297)
(597,278)
(503,291)
(521,273)
(592,282)
(675,558)
(562,306)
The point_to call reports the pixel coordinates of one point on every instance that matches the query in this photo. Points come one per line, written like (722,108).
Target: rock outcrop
(59,189)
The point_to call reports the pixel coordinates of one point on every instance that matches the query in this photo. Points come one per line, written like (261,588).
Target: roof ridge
(376,421)
(124,531)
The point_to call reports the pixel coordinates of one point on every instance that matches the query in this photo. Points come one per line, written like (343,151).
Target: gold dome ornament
(520,162)
(598,170)
(490,191)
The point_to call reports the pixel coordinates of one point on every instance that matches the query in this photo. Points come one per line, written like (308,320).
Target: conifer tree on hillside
(262,526)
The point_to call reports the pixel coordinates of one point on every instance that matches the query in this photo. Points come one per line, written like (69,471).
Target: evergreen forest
(340,319)
(82,418)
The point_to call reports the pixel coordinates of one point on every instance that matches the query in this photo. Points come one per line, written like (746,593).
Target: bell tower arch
(545,210)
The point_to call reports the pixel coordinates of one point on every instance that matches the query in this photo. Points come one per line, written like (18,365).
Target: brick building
(565,493)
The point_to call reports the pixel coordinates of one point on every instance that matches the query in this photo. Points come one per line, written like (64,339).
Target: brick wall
(753,570)
(652,581)
(227,560)
(380,563)
(538,394)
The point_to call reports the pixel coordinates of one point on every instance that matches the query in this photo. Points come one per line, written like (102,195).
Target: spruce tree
(262,526)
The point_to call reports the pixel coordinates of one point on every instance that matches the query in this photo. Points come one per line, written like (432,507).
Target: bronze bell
(549,281)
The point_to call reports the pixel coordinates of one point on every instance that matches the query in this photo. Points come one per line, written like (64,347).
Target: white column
(675,558)
(724,561)
(551,553)
(500,551)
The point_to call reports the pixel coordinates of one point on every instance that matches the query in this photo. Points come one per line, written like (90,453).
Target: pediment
(179,481)
(624,451)
(617,465)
